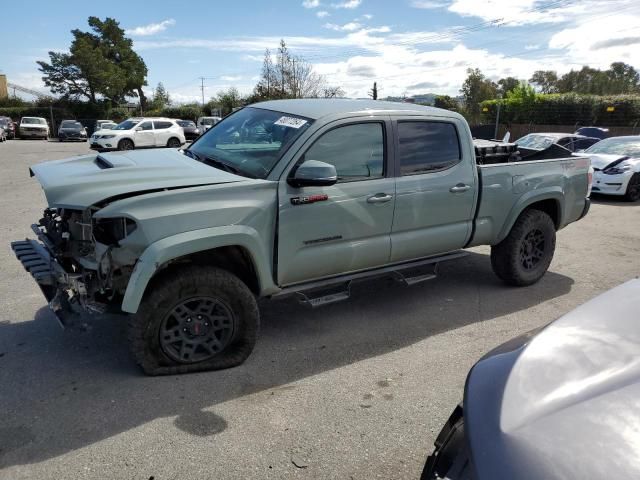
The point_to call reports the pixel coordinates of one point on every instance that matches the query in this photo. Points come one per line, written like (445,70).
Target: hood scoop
(103,163)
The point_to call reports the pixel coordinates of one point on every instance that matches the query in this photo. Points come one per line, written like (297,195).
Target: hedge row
(566,109)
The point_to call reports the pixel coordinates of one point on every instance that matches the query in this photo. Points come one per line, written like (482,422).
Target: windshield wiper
(191,154)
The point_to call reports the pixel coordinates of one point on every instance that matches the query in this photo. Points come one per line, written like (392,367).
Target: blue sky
(407,46)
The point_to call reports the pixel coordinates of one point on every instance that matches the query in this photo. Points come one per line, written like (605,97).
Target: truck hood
(80,182)
(563,404)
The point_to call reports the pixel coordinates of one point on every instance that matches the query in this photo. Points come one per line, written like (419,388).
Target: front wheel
(125,144)
(633,188)
(194,319)
(524,256)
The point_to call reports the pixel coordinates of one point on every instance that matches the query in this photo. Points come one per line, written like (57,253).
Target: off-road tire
(173,142)
(176,285)
(633,189)
(125,144)
(506,256)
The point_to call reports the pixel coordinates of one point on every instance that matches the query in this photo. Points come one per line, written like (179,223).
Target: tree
(228,100)
(446,102)
(507,84)
(475,89)
(623,78)
(99,62)
(545,80)
(161,98)
(290,76)
(373,93)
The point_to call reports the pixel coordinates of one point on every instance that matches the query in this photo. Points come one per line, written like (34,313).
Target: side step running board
(336,289)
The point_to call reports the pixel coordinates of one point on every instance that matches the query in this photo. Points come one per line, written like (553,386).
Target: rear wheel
(173,143)
(194,319)
(633,188)
(125,144)
(524,256)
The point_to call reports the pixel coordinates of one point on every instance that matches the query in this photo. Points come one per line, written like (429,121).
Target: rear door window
(425,147)
(162,125)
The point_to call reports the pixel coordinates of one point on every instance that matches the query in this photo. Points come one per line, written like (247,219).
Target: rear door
(435,188)
(161,132)
(144,134)
(326,231)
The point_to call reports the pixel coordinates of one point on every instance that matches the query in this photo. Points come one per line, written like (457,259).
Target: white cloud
(367,16)
(349,4)
(347,27)
(429,4)
(231,78)
(532,47)
(311,3)
(151,29)
(322,14)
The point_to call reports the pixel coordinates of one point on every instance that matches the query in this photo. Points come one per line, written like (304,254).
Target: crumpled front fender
(162,251)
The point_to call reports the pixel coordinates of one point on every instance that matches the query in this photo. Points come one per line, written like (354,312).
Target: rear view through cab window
(426,147)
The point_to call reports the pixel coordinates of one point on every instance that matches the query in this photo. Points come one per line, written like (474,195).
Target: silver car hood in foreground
(567,404)
(80,182)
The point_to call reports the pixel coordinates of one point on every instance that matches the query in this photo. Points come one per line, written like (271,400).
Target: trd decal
(308,199)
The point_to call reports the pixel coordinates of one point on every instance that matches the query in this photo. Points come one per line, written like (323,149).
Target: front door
(144,134)
(435,189)
(326,231)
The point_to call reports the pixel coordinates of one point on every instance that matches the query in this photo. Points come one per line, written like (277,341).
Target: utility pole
(202,89)
(495,133)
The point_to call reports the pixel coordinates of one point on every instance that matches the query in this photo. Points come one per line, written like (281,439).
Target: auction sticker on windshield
(291,122)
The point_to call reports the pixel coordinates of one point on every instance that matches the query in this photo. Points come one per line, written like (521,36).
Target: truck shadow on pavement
(61,391)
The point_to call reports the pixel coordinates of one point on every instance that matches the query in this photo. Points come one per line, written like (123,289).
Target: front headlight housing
(108,136)
(618,169)
(110,231)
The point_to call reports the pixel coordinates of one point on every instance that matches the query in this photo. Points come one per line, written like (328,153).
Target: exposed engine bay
(88,277)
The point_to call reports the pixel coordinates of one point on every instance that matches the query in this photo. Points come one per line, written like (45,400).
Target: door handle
(461,187)
(379,198)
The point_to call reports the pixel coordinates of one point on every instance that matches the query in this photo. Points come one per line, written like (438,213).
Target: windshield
(250,141)
(70,124)
(208,121)
(126,125)
(629,147)
(34,121)
(185,123)
(536,142)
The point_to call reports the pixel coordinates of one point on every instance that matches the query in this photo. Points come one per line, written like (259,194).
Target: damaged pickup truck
(286,197)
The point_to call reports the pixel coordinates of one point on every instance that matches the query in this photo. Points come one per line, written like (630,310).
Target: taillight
(589,181)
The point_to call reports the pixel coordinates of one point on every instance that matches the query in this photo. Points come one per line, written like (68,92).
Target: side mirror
(313,173)
(138,129)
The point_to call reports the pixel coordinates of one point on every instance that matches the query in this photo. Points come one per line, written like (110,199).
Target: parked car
(187,241)
(99,124)
(71,130)
(34,127)
(616,162)
(205,123)
(139,133)
(557,403)
(8,126)
(594,132)
(570,141)
(191,131)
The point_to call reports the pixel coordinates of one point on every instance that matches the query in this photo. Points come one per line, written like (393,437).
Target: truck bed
(517,182)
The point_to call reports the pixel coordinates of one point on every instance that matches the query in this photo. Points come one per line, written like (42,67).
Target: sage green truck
(289,197)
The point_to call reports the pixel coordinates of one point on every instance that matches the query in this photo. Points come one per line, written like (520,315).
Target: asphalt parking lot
(353,390)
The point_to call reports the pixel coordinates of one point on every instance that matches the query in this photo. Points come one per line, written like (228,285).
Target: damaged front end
(73,262)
